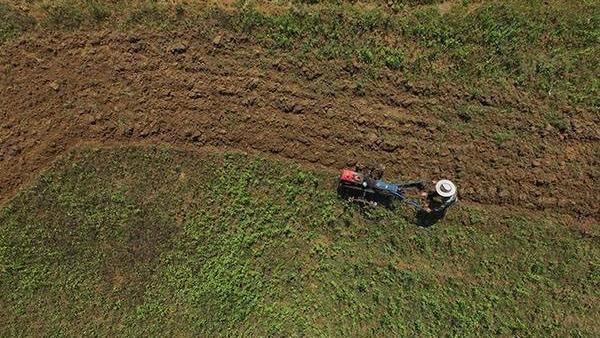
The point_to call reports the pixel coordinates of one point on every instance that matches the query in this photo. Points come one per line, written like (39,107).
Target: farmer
(441,198)
(437,201)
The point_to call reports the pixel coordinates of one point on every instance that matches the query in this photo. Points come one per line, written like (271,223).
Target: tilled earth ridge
(60,89)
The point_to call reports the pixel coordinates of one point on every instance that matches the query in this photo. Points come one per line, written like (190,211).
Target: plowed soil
(58,90)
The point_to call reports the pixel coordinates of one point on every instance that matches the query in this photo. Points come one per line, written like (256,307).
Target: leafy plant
(559,122)
(502,137)
(394,59)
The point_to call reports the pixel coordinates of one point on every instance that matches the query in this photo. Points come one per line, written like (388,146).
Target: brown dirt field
(58,90)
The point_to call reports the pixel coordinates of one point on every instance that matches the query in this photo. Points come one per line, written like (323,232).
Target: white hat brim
(438,188)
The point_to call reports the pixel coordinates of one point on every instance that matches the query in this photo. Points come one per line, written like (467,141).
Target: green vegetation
(550,49)
(135,241)
(142,242)
(12,23)
(503,137)
(559,122)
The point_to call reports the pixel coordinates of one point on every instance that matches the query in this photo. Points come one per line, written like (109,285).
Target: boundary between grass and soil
(584,224)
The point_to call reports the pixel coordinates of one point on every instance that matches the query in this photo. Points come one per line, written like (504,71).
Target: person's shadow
(426,219)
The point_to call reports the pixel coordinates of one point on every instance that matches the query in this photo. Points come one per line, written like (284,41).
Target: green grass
(558,121)
(139,242)
(502,137)
(13,23)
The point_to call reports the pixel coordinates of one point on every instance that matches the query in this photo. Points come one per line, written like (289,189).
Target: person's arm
(413,203)
(446,204)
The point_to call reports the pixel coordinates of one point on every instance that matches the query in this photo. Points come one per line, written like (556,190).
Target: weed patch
(559,122)
(65,15)
(502,137)
(13,23)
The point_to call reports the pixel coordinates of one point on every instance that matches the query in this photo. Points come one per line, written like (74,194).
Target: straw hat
(445,188)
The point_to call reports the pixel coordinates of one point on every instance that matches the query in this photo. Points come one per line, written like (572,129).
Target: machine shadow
(421,218)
